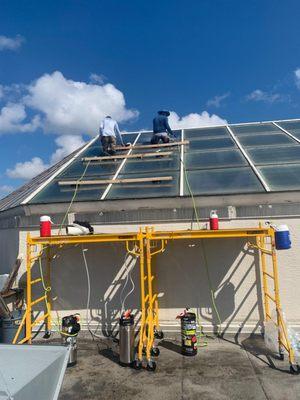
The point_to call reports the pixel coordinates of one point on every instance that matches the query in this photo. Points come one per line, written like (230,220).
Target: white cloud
(13,119)
(66,145)
(7,43)
(96,78)
(266,97)
(73,107)
(217,100)
(297,77)
(28,169)
(61,106)
(195,120)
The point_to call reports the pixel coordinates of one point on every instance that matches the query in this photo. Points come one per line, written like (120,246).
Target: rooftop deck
(225,369)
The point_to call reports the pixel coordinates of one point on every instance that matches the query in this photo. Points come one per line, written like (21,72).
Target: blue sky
(65,64)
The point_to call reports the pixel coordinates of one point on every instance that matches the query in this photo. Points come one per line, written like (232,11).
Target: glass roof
(292,127)
(242,158)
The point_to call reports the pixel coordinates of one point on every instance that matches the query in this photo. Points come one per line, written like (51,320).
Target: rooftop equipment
(145,244)
(70,328)
(126,339)
(188,333)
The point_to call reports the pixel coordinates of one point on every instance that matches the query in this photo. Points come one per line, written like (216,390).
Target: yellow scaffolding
(145,244)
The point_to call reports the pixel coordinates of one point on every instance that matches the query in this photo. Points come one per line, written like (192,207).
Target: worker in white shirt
(109,132)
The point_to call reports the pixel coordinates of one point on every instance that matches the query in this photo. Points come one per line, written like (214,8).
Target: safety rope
(48,289)
(73,197)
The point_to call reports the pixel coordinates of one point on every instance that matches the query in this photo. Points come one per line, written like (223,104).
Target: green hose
(203,250)
(73,197)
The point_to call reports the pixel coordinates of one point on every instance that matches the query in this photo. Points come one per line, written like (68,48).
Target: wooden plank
(140,160)
(108,181)
(149,146)
(122,156)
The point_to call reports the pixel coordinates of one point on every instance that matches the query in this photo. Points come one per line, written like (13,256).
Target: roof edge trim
(43,185)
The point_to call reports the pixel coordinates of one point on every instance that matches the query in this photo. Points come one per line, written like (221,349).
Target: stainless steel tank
(126,340)
(72,343)
(70,328)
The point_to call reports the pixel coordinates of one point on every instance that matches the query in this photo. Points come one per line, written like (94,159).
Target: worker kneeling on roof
(161,128)
(109,132)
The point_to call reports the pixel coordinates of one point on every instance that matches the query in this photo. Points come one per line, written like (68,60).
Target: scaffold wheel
(158,334)
(295,369)
(151,366)
(155,352)
(47,335)
(137,364)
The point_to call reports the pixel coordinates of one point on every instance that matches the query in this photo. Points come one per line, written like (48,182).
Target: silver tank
(72,343)
(126,340)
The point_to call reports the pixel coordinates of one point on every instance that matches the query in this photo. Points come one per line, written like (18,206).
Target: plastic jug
(282,237)
(45,226)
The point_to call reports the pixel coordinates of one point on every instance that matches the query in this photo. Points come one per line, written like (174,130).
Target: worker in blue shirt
(161,128)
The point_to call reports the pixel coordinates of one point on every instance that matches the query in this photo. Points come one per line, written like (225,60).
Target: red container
(214,221)
(45,226)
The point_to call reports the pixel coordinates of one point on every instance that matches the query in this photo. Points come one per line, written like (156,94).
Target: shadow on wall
(185,278)
(221,272)
(113,274)
(9,249)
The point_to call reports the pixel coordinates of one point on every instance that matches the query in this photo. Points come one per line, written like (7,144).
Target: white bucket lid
(45,218)
(282,228)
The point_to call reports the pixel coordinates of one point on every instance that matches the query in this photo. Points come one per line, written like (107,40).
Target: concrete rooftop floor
(225,370)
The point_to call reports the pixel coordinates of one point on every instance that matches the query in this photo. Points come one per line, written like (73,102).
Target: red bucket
(45,226)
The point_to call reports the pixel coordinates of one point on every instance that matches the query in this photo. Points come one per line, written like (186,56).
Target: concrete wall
(9,249)
(182,279)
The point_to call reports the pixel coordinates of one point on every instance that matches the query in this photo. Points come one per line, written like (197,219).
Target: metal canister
(69,331)
(189,334)
(72,343)
(126,340)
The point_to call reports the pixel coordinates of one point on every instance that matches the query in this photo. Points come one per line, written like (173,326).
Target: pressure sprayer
(126,339)
(45,226)
(70,328)
(79,228)
(188,332)
(214,220)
